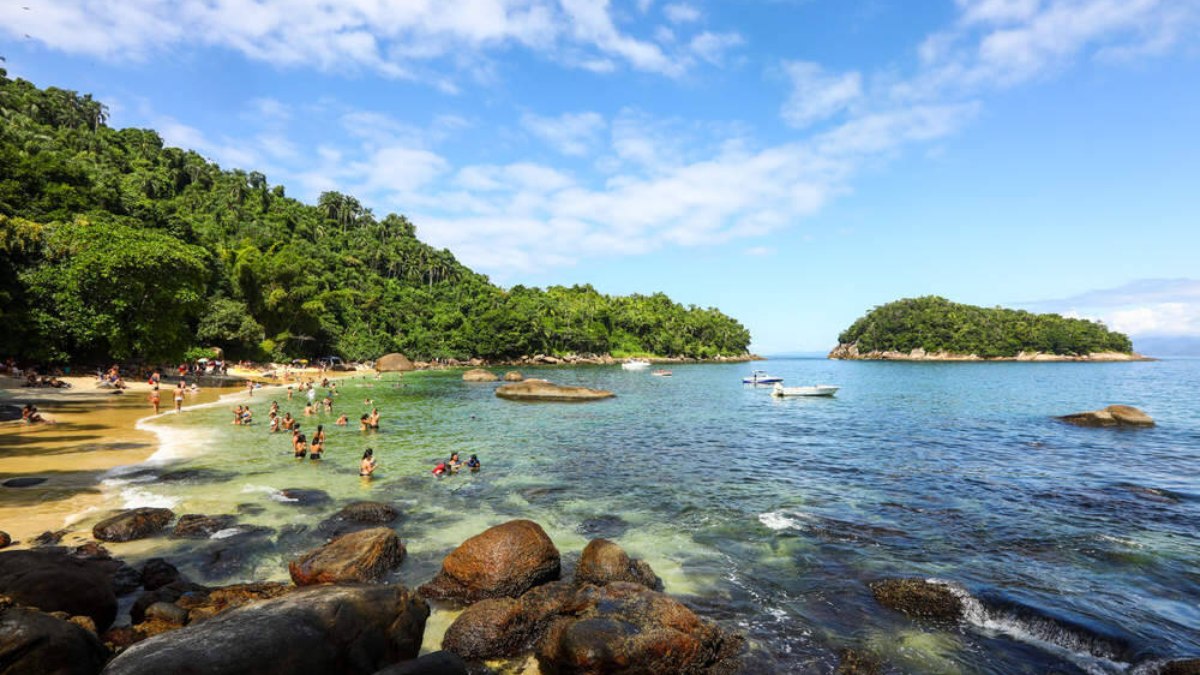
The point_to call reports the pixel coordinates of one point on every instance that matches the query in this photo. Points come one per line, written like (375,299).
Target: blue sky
(792,162)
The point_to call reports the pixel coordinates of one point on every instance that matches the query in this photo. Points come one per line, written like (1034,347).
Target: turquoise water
(1076,549)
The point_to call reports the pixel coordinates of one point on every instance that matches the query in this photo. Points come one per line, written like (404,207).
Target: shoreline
(845,352)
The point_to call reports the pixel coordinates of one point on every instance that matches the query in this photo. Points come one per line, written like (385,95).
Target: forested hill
(937,325)
(113,246)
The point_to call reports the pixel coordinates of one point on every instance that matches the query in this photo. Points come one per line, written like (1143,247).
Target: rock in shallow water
(133,524)
(358,516)
(304,497)
(1112,416)
(198,526)
(366,555)
(541,390)
(918,598)
(604,562)
(503,561)
(317,630)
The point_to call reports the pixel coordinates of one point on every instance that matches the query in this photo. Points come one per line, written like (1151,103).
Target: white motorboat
(635,364)
(817,390)
(661,373)
(761,377)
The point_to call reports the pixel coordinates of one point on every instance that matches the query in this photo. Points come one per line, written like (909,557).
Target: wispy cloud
(569,133)
(1141,307)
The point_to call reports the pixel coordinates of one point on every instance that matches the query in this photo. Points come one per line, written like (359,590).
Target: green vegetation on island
(114,246)
(934,324)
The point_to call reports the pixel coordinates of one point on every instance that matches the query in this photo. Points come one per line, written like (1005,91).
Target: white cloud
(397,38)
(817,95)
(712,46)
(569,133)
(1160,307)
(681,12)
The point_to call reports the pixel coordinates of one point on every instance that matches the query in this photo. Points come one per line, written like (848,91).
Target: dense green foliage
(113,245)
(938,325)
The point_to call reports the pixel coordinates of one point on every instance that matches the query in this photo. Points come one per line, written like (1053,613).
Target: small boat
(818,390)
(761,377)
(635,364)
(661,373)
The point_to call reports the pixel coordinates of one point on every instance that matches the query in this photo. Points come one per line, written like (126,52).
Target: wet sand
(94,431)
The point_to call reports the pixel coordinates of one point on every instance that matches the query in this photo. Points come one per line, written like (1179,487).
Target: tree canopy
(115,246)
(937,325)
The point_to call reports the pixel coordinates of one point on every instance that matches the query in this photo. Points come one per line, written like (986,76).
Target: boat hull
(818,390)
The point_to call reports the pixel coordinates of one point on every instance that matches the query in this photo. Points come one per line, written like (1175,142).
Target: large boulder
(366,555)
(628,628)
(503,561)
(604,561)
(513,376)
(394,363)
(1112,416)
(358,516)
(504,627)
(53,581)
(34,642)
(541,390)
(133,524)
(919,598)
(434,663)
(355,629)
(479,375)
(198,526)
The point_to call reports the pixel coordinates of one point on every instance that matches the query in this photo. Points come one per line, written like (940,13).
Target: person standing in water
(300,446)
(368,464)
(473,464)
(179,398)
(155,398)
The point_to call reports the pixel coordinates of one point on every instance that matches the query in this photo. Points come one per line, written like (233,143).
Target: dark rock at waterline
(502,561)
(1112,416)
(918,598)
(125,579)
(171,592)
(197,476)
(366,555)
(604,561)
(198,526)
(53,581)
(503,627)
(434,663)
(34,642)
(358,516)
(5,540)
(251,509)
(1180,667)
(167,612)
(226,557)
(23,482)
(157,573)
(855,662)
(316,630)
(133,524)
(543,493)
(211,602)
(304,497)
(603,526)
(628,628)
(49,538)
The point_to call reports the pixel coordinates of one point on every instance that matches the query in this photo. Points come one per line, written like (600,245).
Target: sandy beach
(94,430)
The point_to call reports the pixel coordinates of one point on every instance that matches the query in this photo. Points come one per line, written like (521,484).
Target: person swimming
(368,464)
(342,420)
(473,463)
(454,464)
(364,422)
(440,469)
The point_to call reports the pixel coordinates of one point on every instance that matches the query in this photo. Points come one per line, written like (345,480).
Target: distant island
(932,328)
(118,247)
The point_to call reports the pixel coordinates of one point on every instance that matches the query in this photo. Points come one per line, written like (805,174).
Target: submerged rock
(366,555)
(322,629)
(304,497)
(23,481)
(503,561)
(198,526)
(358,516)
(541,390)
(49,538)
(157,573)
(855,662)
(1112,416)
(1180,667)
(53,581)
(133,524)
(479,375)
(918,598)
(603,526)
(604,561)
(34,642)
(628,628)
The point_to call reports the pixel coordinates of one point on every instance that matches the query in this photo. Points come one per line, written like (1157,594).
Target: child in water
(367,466)
(473,464)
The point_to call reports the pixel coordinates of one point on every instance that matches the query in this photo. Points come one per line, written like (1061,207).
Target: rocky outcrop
(541,390)
(513,376)
(479,375)
(1112,416)
(604,562)
(394,363)
(358,516)
(503,561)
(504,627)
(133,524)
(53,581)
(322,629)
(1179,667)
(34,642)
(918,598)
(628,628)
(361,556)
(434,663)
(197,526)
(850,352)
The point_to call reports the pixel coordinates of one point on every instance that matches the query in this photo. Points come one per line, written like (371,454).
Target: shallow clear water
(772,515)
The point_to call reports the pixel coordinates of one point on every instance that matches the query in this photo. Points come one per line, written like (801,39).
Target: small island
(932,328)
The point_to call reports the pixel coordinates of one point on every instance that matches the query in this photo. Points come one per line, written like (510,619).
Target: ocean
(1074,549)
